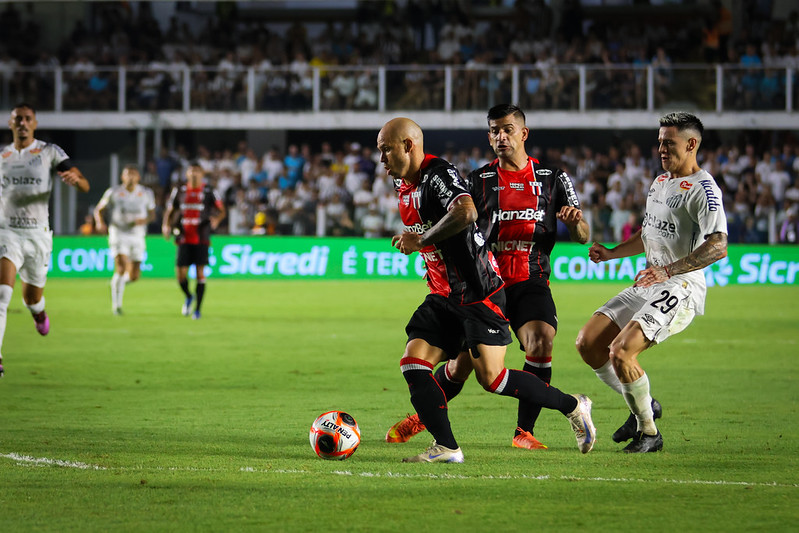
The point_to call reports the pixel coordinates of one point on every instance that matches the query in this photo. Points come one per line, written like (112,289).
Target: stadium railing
(567,87)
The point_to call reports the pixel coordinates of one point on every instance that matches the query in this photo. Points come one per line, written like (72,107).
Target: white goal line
(28,460)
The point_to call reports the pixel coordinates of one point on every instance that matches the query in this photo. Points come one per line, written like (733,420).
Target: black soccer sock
(429,401)
(528,413)
(200,293)
(184,286)
(529,388)
(451,388)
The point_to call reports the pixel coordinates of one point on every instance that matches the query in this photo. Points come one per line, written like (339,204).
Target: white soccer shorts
(662,310)
(30,252)
(126,243)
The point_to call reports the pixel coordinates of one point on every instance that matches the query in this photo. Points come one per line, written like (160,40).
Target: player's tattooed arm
(462,214)
(710,251)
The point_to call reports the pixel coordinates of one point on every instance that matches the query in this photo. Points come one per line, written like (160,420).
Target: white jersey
(27,179)
(680,214)
(125,207)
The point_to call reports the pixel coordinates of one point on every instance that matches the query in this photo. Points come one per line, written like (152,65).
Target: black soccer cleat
(628,430)
(643,443)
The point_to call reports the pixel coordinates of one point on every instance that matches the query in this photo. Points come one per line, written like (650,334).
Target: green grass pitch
(155,422)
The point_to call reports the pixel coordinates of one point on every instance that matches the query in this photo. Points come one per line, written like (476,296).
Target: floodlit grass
(152,421)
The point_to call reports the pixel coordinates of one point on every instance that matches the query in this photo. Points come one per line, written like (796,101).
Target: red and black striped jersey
(195,207)
(460,267)
(517,214)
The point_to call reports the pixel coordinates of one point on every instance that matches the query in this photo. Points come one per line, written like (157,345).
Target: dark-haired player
(131,207)
(519,202)
(192,212)
(464,310)
(26,241)
(684,230)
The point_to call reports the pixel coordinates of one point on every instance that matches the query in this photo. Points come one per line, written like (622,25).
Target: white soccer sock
(607,374)
(36,308)
(115,279)
(121,292)
(5,299)
(638,399)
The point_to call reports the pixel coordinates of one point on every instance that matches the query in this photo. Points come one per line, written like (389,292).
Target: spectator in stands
(789,231)
(294,164)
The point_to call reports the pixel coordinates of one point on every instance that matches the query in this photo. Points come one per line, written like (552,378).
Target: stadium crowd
(342,190)
(220,46)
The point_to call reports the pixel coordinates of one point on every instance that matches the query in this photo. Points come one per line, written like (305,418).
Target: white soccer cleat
(186,309)
(582,424)
(437,454)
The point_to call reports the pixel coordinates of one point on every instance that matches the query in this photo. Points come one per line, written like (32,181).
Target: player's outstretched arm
(73,176)
(462,214)
(166,222)
(576,224)
(710,251)
(632,246)
(99,213)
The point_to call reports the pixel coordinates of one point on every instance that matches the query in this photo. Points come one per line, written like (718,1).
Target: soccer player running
(132,207)
(465,306)
(192,212)
(684,230)
(26,241)
(519,202)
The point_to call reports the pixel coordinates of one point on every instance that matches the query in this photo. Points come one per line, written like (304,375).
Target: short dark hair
(194,163)
(131,166)
(25,105)
(503,110)
(683,121)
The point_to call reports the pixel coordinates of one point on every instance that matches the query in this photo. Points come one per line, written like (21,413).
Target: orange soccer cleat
(406,428)
(526,440)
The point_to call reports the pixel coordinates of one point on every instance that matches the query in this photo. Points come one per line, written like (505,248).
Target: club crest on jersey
(684,185)
(674,201)
(536,186)
(6,155)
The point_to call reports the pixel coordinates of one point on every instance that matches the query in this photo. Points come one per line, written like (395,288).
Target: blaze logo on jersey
(35,151)
(684,185)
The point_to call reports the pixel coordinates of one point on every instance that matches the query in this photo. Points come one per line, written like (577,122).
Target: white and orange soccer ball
(335,435)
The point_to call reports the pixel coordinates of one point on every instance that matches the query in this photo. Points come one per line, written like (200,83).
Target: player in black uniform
(519,202)
(464,309)
(192,211)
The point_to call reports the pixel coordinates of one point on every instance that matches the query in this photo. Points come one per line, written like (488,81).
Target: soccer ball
(335,435)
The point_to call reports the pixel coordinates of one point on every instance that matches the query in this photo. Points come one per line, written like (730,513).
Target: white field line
(26,460)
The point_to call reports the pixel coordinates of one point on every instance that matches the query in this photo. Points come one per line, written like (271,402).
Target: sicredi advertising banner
(340,258)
